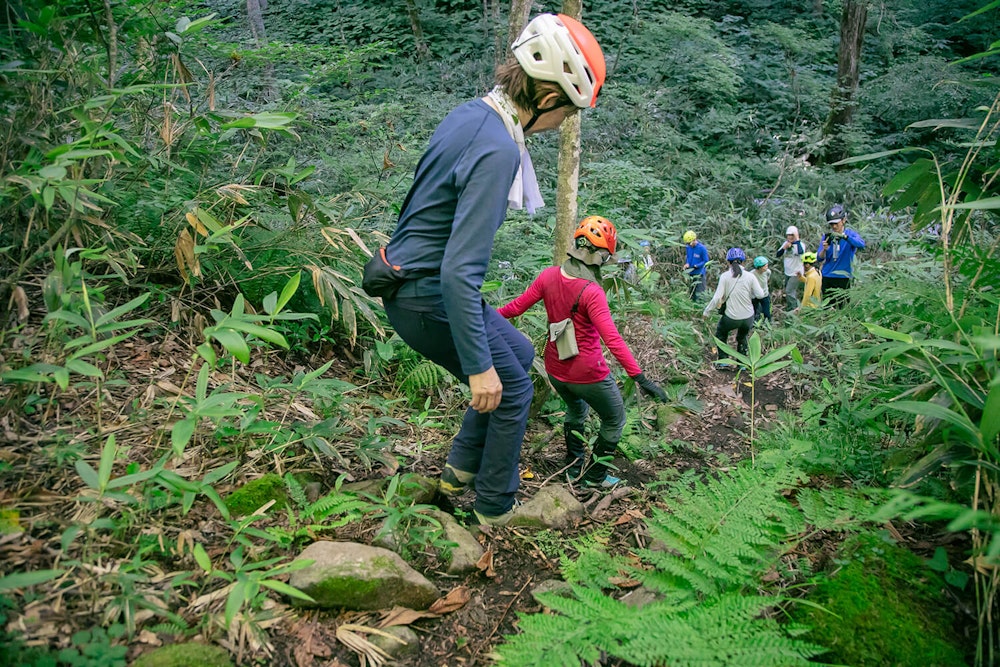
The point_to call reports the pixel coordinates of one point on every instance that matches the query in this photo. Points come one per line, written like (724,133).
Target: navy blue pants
(487,445)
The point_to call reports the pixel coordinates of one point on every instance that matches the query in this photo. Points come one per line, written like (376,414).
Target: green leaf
(958,123)
(267,120)
(235,601)
(233,342)
(108,454)
(201,557)
(980,204)
(906,176)
(284,588)
(767,369)
(207,352)
(25,579)
(754,348)
(876,330)
(181,433)
(88,474)
(877,156)
(61,376)
(935,411)
(115,313)
(288,291)
(213,476)
(271,303)
(53,172)
(84,368)
(990,424)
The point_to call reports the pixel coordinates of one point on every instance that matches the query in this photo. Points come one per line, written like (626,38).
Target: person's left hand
(650,388)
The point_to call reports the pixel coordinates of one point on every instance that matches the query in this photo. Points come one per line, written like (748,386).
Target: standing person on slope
(836,252)
(734,297)
(791,251)
(695,259)
(475,167)
(573,291)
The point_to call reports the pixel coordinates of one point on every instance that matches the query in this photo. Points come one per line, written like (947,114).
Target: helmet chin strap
(538,113)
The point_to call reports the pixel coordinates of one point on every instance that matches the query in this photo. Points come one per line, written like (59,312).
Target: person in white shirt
(734,297)
(792,250)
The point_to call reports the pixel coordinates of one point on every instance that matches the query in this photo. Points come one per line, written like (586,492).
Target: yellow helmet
(689,236)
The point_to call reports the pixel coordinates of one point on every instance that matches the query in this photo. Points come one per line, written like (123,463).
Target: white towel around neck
(524,192)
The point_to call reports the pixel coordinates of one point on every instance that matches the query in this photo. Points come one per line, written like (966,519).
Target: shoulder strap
(576,304)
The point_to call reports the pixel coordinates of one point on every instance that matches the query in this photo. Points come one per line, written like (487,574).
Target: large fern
(711,544)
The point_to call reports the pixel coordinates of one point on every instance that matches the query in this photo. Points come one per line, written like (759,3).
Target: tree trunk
(519,11)
(256,15)
(818,7)
(842,102)
(419,44)
(568,185)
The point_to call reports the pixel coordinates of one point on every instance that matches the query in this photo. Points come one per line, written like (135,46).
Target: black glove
(650,388)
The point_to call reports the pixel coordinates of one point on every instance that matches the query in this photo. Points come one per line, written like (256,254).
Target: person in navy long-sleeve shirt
(695,259)
(476,167)
(836,252)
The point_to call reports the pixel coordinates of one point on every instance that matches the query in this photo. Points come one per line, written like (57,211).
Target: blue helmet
(736,255)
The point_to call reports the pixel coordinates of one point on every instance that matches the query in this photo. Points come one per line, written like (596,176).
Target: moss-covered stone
(249,497)
(883,607)
(185,655)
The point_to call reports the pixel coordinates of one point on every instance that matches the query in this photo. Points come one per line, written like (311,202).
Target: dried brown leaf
(404,616)
(21,299)
(456,598)
(485,563)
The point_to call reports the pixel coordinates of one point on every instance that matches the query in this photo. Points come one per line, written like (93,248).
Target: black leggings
(743,329)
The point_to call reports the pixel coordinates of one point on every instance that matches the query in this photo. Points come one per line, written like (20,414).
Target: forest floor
(36,480)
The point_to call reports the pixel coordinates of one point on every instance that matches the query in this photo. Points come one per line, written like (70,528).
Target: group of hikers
(430,274)
(743,297)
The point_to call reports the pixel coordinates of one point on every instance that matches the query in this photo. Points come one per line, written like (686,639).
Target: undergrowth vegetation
(193,386)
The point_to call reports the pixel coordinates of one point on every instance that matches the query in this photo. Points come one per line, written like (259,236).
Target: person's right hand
(486,390)
(687,266)
(786,245)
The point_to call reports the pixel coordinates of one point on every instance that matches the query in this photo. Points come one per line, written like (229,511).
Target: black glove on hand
(650,388)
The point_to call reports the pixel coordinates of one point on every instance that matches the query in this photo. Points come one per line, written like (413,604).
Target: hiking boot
(453,481)
(500,520)
(609,482)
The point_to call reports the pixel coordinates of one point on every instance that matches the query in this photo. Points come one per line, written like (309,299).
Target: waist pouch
(563,334)
(384,279)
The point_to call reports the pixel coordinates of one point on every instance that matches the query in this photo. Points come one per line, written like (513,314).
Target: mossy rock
(883,607)
(249,497)
(185,655)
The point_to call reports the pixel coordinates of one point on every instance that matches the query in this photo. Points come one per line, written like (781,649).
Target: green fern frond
(346,506)
(839,509)
(709,549)
(724,530)
(295,491)
(425,375)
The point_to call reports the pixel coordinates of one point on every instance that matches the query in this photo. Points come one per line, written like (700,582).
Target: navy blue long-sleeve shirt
(455,205)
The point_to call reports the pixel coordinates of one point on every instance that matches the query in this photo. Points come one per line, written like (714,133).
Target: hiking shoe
(453,481)
(609,482)
(500,520)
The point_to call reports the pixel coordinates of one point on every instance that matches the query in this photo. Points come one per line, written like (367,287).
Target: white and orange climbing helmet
(558,48)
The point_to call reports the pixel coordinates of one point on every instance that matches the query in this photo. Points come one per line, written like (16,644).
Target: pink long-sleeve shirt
(592,321)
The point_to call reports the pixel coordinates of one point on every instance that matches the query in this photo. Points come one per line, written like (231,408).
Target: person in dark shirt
(476,167)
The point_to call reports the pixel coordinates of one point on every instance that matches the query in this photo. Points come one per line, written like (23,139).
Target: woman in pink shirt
(573,291)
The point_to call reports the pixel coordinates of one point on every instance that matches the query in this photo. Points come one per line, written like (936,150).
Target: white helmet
(558,48)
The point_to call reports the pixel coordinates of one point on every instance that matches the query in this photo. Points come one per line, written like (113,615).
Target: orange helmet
(599,231)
